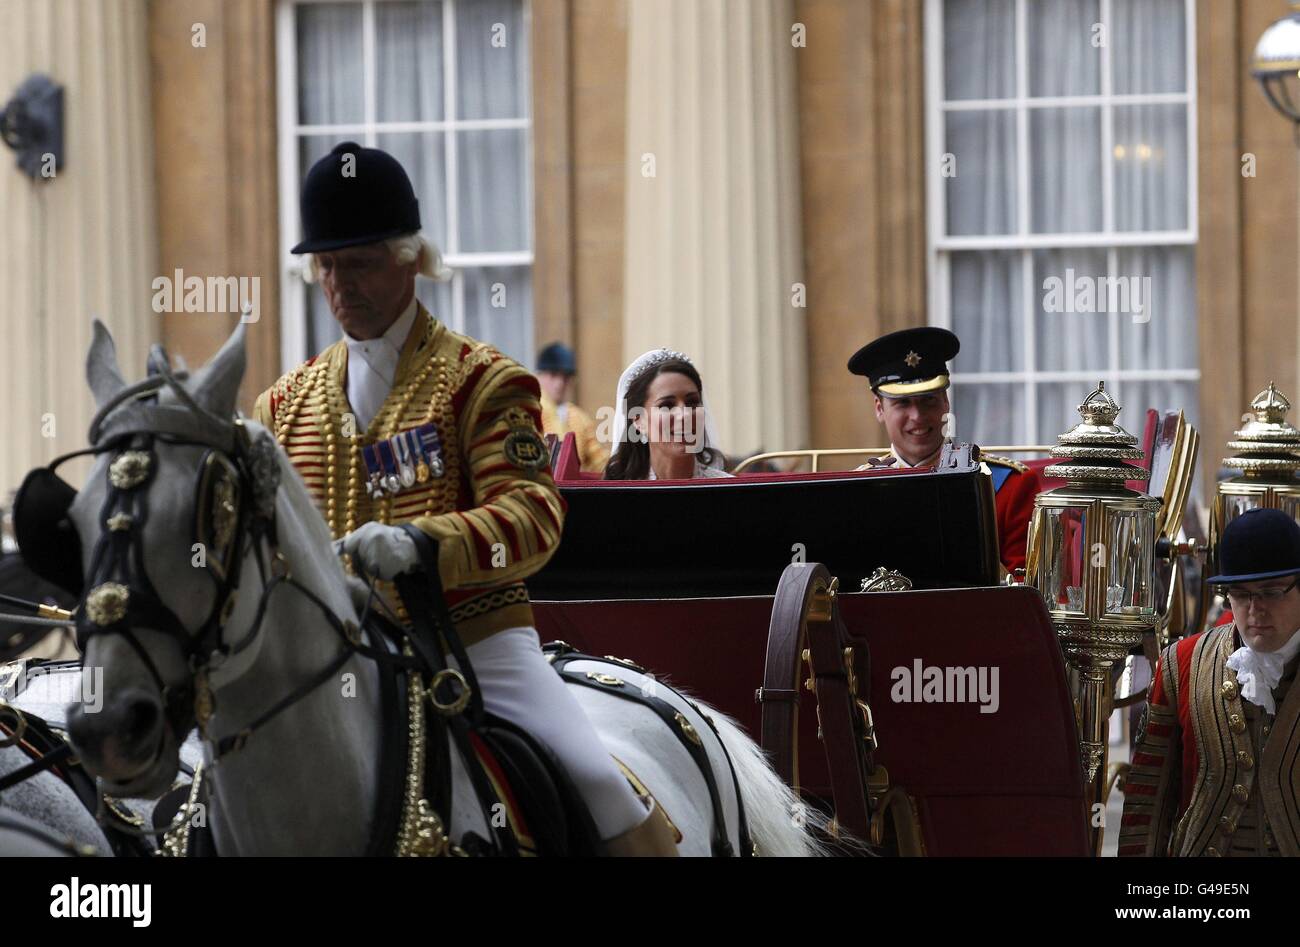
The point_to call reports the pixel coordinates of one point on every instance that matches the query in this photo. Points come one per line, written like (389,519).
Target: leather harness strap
(779,695)
(434,635)
(669,714)
(841,735)
(843,729)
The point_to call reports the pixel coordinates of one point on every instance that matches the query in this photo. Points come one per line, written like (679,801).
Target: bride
(662,427)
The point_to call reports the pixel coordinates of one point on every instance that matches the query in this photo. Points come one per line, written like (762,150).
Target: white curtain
(493,203)
(990,290)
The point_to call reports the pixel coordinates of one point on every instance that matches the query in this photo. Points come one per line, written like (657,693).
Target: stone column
(713,247)
(81,244)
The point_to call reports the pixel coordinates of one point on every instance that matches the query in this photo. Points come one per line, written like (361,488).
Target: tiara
(656,357)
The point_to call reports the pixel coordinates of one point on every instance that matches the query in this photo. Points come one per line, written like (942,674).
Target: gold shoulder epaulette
(1015,465)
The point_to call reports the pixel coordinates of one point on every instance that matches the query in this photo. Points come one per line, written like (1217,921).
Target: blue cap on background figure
(1258,544)
(354,196)
(908,362)
(557,357)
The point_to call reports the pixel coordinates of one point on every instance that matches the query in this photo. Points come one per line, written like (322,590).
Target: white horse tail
(780,824)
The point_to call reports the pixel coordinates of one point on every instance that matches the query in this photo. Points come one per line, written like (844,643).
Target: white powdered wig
(405,249)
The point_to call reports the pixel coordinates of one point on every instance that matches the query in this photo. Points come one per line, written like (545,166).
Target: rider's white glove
(384,551)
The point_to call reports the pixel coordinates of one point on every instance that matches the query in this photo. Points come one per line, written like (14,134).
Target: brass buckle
(453,707)
(868,725)
(20,724)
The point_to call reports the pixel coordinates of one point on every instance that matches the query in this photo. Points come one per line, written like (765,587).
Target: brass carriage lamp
(1268,456)
(1276,63)
(1091,556)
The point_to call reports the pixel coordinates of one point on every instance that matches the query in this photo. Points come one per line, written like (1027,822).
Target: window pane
(491,60)
(436,297)
(987,311)
(1062,57)
(988,413)
(1065,170)
(493,191)
(408,62)
(979,49)
(329,63)
(1136,396)
(1149,45)
(1150,155)
(1058,407)
(423,155)
(1070,333)
(311,148)
(982,191)
(1161,331)
(322,329)
(499,308)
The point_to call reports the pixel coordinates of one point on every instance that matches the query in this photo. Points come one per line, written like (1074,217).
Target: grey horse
(305,782)
(46,691)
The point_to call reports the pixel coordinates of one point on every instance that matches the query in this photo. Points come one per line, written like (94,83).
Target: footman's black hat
(908,362)
(353,196)
(557,357)
(1258,544)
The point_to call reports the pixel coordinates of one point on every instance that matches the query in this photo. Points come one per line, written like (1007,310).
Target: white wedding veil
(634,371)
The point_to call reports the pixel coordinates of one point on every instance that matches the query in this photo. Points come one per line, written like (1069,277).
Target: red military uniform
(1015,487)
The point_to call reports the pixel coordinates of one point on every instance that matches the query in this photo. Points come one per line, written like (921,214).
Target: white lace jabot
(372,366)
(1259,672)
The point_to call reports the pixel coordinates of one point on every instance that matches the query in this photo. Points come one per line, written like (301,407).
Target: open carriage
(858,622)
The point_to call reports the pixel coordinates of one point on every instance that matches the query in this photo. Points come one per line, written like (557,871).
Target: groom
(908,372)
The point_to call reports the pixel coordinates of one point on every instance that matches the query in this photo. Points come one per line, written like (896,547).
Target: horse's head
(164,524)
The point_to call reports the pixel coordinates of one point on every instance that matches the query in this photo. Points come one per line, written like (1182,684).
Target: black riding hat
(354,196)
(1259,544)
(557,357)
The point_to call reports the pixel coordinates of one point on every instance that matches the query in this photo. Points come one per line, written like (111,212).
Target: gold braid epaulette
(1015,465)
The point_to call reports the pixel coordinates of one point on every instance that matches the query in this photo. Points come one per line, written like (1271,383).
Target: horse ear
(102,372)
(216,385)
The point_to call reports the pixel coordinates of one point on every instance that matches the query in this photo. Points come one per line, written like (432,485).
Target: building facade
(764,184)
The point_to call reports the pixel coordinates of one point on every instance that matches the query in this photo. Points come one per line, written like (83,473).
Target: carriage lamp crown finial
(1097,447)
(1099,407)
(1271,405)
(1267,446)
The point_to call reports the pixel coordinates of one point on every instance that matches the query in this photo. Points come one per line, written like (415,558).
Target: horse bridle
(121,596)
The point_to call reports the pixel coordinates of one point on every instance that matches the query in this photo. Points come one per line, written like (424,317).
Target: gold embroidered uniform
(495,510)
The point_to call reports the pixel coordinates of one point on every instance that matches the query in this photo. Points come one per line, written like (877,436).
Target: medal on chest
(403,460)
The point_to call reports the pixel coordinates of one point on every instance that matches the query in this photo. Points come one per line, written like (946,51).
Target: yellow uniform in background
(560,420)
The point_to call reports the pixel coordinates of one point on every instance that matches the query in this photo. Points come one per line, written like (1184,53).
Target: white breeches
(520,686)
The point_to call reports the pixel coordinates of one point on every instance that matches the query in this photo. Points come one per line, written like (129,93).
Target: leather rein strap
(668,713)
(805,610)
(454,693)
